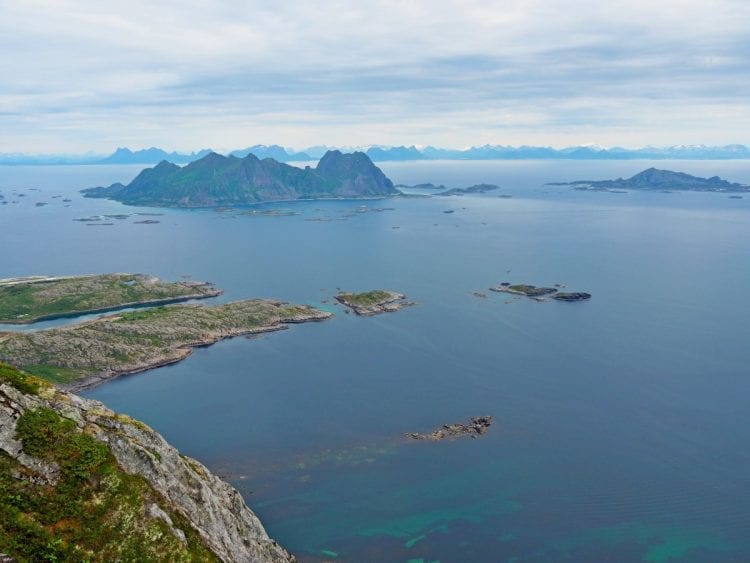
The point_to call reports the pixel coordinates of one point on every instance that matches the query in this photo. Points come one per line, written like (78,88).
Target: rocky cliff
(79,481)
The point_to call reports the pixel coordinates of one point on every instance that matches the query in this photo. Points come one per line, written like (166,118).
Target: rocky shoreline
(541,293)
(85,355)
(477,426)
(373,302)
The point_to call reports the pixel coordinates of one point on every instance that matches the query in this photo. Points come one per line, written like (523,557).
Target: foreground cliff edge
(80,482)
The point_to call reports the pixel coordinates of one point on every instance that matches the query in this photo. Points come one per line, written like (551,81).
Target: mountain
(654,179)
(150,156)
(272,151)
(79,482)
(379,154)
(216,180)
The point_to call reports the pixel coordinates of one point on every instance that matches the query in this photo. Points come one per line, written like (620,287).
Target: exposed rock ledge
(373,302)
(213,508)
(477,426)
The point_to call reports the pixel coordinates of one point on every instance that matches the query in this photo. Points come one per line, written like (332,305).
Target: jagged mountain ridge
(217,180)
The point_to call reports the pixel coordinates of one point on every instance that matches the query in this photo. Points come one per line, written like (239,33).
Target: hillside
(216,180)
(79,482)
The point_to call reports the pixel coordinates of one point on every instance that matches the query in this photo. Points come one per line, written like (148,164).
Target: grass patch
(55,374)
(21,381)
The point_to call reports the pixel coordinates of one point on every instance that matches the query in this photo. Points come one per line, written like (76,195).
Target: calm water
(622,423)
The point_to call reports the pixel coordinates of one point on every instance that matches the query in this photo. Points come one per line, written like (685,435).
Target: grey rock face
(214,508)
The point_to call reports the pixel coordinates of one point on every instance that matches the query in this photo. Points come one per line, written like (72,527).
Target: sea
(621,424)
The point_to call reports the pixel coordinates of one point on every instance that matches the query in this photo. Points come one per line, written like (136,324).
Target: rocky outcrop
(214,509)
(476,427)
(373,302)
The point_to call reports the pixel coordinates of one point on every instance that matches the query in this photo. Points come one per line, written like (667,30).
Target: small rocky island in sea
(477,189)
(373,302)
(31,299)
(217,181)
(662,180)
(476,427)
(541,293)
(445,191)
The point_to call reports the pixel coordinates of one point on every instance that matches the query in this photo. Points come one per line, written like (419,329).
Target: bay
(621,424)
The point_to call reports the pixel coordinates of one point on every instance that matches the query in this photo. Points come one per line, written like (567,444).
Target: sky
(78,76)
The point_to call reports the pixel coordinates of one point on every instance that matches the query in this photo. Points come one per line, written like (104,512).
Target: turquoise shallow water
(621,423)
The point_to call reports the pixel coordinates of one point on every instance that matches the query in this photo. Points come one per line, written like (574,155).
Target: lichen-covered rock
(214,509)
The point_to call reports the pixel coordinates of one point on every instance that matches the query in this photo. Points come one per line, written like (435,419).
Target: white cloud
(94,75)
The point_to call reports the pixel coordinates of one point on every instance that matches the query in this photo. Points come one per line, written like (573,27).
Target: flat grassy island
(28,300)
(83,355)
(373,302)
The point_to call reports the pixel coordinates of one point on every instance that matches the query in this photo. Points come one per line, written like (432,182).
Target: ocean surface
(622,424)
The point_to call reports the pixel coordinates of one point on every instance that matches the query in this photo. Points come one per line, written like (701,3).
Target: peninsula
(215,181)
(31,299)
(373,302)
(80,482)
(84,355)
(654,179)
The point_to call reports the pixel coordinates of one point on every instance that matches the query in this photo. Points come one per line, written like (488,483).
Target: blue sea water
(621,424)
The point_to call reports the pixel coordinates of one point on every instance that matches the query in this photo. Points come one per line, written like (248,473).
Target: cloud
(94,75)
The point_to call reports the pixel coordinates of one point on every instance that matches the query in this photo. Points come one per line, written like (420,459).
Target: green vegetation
(21,381)
(532,290)
(365,299)
(218,181)
(94,512)
(30,300)
(138,340)
(55,374)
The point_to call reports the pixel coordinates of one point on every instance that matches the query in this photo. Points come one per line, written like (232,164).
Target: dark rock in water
(735,197)
(146,222)
(450,211)
(41,204)
(476,427)
(216,180)
(571,296)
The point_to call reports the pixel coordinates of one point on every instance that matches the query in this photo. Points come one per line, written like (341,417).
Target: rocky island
(654,179)
(83,355)
(540,293)
(79,482)
(215,181)
(373,302)
(476,427)
(37,298)
(477,189)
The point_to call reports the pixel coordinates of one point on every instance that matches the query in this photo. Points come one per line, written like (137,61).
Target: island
(477,189)
(541,293)
(36,298)
(477,426)
(220,181)
(373,302)
(662,180)
(80,482)
(83,355)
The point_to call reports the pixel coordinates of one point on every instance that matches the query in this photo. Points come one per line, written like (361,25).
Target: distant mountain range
(155,155)
(655,179)
(217,180)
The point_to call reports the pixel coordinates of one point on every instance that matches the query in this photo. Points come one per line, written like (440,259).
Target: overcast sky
(85,75)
